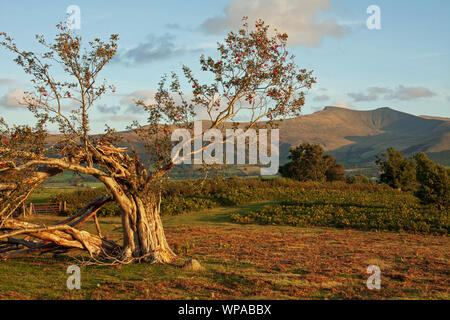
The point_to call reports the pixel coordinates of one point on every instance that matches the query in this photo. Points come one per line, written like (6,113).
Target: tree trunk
(144,237)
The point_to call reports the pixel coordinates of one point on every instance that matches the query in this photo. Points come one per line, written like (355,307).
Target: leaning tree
(253,77)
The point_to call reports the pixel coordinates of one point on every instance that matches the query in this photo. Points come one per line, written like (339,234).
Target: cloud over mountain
(322,97)
(385,93)
(103,108)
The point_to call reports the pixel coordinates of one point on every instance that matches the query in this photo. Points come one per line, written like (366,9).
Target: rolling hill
(353,137)
(356,137)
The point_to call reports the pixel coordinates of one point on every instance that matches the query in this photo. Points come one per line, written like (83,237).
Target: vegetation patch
(380,210)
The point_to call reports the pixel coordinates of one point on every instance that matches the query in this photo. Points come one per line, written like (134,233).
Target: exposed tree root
(57,238)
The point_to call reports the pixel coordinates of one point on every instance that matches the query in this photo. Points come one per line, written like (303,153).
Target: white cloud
(299,19)
(129,100)
(322,97)
(153,48)
(399,93)
(6,81)
(148,96)
(13,98)
(103,108)
(409,93)
(371,94)
(343,104)
(117,118)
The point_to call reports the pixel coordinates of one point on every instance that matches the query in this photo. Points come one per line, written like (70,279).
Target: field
(245,255)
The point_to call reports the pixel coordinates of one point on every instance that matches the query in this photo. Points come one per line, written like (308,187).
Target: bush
(360,205)
(335,173)
(434,182)
(308,163)
(192,195)
(359,179)
(397,171)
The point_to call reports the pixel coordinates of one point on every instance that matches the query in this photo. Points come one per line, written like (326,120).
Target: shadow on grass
(217,215)
(324,203)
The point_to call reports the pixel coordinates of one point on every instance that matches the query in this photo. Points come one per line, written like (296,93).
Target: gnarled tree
(253,76)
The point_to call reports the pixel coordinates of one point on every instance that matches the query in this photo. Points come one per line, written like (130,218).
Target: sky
(404,64)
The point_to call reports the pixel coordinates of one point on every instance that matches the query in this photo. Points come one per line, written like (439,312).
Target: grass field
(247,261)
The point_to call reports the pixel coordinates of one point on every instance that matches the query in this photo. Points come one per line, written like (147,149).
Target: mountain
(353,137)
(356,137)
(435,118)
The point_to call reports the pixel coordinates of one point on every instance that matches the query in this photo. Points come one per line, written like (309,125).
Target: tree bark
(144,237)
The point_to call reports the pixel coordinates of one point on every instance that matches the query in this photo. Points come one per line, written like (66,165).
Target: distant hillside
(356,137)
(353,137)
(435,118)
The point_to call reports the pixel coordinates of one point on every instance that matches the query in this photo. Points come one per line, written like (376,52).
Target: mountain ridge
(356,136)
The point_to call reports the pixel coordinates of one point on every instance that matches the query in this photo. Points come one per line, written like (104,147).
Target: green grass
(217,216)
(44,195)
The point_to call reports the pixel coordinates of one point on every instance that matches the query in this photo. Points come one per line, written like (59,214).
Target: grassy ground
(248,262)
(43,195)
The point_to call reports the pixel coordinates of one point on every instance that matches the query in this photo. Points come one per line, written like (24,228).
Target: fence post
(31,209)
(59,206)
(24,210)
(65,206)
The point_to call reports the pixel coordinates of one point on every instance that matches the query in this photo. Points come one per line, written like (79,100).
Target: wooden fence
(43,208)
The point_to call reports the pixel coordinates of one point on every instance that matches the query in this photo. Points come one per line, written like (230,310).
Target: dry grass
(249,262)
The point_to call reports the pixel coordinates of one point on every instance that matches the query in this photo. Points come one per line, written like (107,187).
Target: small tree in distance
(253,76)
(434,182)
(397,171)
(308,163)
(335,172)
(359,179)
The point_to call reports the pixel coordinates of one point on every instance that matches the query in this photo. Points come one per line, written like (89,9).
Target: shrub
(308,163)
(397,171)
(335,173)
(359,179)
(434,182)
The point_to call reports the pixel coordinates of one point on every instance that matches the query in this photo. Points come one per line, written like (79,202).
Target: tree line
(429,181)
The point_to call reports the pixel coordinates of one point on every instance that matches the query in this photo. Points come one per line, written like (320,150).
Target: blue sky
(405,65)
